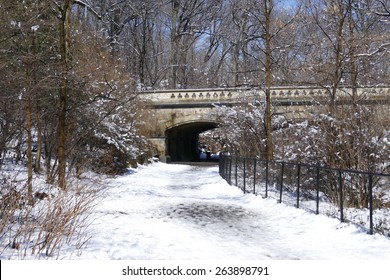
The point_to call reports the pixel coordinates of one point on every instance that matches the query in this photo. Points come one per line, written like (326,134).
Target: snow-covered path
(165,212)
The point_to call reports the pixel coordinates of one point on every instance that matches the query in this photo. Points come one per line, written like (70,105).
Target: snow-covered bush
(354,138)
(241,129)
(114,139)
(105,115)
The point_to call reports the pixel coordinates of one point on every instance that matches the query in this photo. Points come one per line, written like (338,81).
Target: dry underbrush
(57,221)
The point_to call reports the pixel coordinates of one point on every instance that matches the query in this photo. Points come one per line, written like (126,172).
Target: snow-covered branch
(382,48)
(85,5)
(386,10)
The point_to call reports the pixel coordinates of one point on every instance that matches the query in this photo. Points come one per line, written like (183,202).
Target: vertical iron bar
(298,183)
(281,183)
(318,191)
(236,168)
(220,165)
(266,178)
(225,159)
(254,176)
(371,206)
(230,170)
(244,171)
(341,197)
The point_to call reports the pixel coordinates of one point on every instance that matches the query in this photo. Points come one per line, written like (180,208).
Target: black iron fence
(361,198)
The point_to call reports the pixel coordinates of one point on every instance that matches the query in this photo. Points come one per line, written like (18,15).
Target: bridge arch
(182,140)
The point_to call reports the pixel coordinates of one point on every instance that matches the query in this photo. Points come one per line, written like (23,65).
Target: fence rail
(361,198)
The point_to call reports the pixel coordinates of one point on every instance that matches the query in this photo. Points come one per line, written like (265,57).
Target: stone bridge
(176,117)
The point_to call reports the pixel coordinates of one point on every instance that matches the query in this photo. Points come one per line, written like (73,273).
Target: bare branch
(386,10)
(83,4)
(382,48)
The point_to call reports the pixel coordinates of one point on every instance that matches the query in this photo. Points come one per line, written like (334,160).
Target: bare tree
(268,7)
(188,20)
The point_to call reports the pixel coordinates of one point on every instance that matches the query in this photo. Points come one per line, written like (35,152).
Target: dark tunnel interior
(183,143)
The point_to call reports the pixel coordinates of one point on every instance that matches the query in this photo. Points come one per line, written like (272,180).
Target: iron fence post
(371,206)
(318,191)
(341,196)
(266,179)
(298,183)
(225,170)
(281,183)
(244,171)
(254,176)
(230,170)
(220,166)
(236,169)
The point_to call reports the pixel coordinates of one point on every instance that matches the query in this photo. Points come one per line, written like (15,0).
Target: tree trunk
(63,93)
(175,39)
(30,76)
(268,80)
(29,151)
(37,166)
(338,61)
(352,52)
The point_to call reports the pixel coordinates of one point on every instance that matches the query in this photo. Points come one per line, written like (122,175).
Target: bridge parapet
(184,96)
(232,95)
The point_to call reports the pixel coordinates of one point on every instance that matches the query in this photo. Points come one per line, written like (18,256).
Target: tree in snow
(64,83)
(103,114)
(242,128)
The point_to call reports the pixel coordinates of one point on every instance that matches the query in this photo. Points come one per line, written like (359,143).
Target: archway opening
(183,141)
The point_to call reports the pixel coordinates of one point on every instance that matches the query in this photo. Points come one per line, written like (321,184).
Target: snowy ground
(168,212)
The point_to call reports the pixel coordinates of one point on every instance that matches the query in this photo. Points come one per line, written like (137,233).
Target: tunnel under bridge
(182,141)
